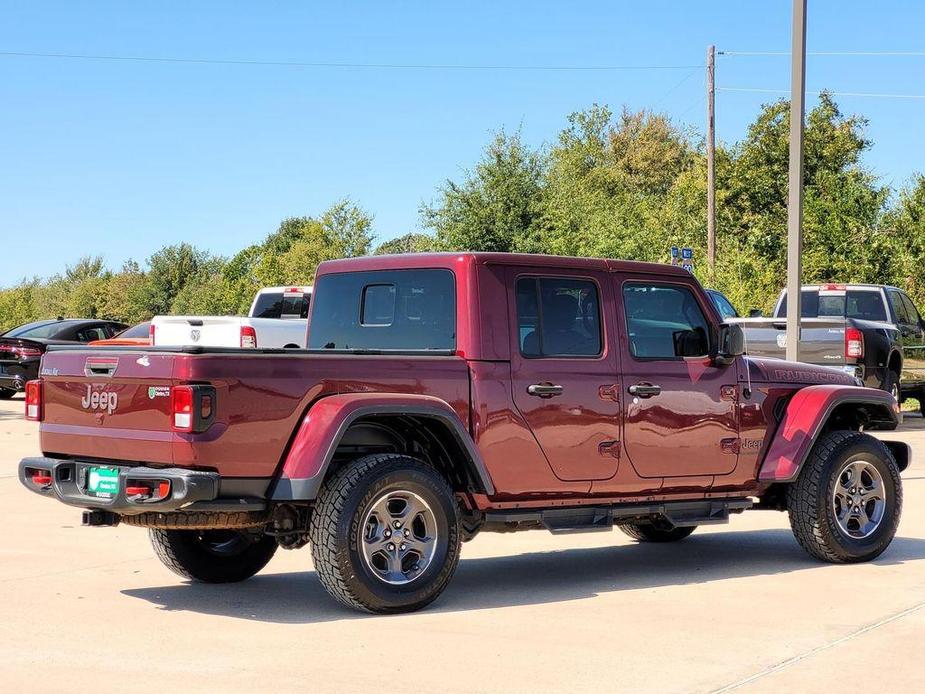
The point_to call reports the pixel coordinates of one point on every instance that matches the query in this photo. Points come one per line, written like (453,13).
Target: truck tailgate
(212,331)
(108,404)
(822,340)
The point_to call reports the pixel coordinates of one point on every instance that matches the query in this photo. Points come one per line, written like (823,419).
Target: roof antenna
(748,368)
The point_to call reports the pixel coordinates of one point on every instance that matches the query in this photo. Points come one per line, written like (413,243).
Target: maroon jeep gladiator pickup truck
(446,394)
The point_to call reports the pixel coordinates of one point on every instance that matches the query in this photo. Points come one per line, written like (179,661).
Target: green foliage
(183,279)
(409,243)
(622,186)
(496,205)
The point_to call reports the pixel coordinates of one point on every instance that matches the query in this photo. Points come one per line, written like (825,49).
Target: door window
(912,313)
(664,322)
(558,317)
(90,334)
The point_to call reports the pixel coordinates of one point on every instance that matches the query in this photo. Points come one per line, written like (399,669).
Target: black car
(21,348)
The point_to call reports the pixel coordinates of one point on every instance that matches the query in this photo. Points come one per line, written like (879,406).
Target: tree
(904,225)
(496,205)
(170,269)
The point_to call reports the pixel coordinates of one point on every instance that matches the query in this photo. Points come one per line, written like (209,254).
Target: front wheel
(846,503)
(213,556)
(385,534)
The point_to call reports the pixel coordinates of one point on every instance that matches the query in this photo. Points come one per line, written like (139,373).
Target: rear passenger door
(564,371)
(680,417)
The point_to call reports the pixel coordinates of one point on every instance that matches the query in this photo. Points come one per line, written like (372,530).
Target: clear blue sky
(119,158)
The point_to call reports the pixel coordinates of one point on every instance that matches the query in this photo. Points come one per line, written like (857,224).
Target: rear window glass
(277,305)
(854,303)
(37,329)
(384,310)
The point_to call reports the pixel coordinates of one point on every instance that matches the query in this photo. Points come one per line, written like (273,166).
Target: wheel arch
(815,410)
(342,427)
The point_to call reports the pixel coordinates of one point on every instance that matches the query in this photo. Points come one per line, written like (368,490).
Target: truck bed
(261,396)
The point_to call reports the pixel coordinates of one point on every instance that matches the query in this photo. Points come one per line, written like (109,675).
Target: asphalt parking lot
(735,606)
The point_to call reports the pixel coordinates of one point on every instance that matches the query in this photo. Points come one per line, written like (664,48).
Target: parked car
(446,394)
(723,306)
(278,318)
(871,331)
(136,336)
(21,348)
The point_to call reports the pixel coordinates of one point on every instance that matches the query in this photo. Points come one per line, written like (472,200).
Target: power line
(787,91)
(373,66)
(900,54)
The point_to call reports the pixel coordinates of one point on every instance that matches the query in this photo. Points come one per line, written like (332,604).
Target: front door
(564,371)
(680,409)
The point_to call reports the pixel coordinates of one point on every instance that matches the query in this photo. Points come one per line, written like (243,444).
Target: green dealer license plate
(103,482)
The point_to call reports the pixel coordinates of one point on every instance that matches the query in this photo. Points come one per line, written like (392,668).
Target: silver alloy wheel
(398,537)
(859,499)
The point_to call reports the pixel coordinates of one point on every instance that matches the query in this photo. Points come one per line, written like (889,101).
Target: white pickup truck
(278,318)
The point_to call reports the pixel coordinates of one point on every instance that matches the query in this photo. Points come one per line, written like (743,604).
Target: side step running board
(594,518)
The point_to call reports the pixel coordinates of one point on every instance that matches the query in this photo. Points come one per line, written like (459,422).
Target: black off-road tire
(658,532)
(891,383)
(198,554)
(812,517)
(335,533)
(6,393)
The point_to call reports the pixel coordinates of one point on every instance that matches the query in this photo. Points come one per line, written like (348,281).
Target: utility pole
(711,156)
(795,179)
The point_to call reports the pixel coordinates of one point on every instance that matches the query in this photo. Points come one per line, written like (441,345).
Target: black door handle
(645,390)
(544,390)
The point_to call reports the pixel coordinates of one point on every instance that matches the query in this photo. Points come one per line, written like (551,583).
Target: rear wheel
(213,556)
(6,393)
(846,503)
(891,384)
(385,534)
(656,531)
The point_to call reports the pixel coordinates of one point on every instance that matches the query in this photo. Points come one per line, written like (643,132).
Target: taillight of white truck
(248,337)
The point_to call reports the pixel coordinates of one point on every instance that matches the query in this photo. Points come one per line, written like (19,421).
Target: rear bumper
(189,489)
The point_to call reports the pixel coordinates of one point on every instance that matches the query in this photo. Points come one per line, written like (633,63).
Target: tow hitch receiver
(98,518)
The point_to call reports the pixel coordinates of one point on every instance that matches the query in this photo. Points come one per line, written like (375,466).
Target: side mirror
(731,343)
(755,313)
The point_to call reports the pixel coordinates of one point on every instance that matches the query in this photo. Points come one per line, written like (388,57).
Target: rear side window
(911,311)
(899,308)
(90,334)
(407,310)
(664,322)
(558,317)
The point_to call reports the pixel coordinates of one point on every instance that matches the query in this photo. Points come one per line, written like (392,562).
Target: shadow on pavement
(525,579)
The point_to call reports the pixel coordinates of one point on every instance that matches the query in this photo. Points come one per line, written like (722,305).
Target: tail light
(34,396)
(248,337)
(147,490)
(151,330)
(192,408)
(41,478)
(854,343)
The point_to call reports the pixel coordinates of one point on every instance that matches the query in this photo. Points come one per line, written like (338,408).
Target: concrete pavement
(738,606)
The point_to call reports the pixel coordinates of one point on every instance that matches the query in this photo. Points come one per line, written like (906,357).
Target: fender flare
(326,422)
(806,414)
